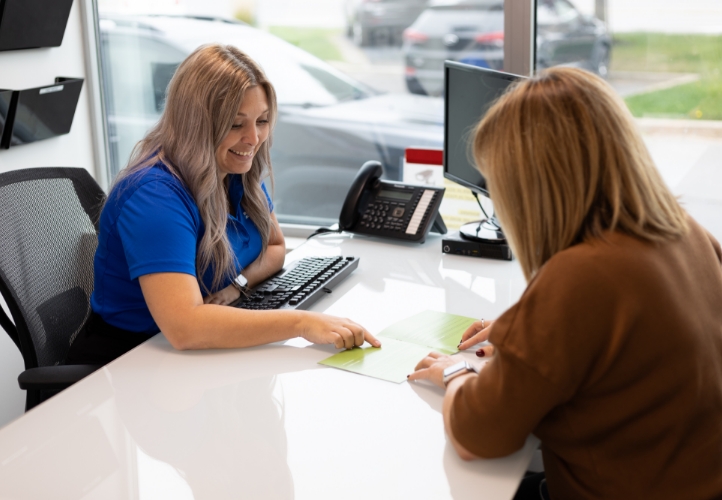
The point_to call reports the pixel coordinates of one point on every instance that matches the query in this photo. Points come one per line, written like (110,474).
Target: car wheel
(361,34)
(601,62)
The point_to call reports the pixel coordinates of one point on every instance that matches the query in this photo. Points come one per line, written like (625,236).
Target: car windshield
(302,80)
(439,21)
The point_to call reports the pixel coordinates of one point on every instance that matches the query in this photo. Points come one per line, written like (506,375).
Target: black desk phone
(390,209)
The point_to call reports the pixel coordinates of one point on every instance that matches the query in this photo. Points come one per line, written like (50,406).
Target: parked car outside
(328,126)
(375,22)
(472,32)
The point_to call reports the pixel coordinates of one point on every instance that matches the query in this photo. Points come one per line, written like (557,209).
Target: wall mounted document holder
(28,24)
(38,113)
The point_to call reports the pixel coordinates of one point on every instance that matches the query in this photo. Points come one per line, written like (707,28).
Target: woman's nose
(251,137)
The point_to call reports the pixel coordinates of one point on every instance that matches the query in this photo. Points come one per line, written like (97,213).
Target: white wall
(34,68)
(12,399)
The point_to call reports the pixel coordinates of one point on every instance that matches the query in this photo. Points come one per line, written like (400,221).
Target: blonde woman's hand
(223,297)
(341,332)
(476,333)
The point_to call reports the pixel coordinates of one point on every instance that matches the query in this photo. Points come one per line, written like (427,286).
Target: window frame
(93,71)
(520,37)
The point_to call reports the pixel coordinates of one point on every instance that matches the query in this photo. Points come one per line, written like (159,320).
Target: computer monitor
(470,92)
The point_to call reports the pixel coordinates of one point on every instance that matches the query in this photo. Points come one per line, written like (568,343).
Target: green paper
(438,330)
(393,361)
(403,345)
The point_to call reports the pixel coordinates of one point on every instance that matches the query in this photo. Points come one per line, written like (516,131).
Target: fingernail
(407,376)
(480,353)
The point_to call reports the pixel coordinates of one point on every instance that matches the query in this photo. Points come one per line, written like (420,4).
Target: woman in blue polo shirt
(189,222)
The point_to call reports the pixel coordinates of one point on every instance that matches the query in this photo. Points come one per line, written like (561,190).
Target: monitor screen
(470,92)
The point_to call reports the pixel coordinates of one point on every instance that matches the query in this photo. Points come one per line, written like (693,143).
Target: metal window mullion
(519,36)
(91,34)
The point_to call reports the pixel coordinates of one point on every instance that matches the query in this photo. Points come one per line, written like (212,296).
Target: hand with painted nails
(478,332)
(432,368)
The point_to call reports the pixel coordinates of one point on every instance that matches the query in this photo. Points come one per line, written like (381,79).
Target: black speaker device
(455,244)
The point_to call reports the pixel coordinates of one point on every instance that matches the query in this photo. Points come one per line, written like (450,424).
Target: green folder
(403,345)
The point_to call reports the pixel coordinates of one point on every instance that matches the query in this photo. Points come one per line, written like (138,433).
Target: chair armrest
(54,378)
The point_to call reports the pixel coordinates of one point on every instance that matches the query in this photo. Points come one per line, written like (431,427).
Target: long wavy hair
(565,163)
(203,98)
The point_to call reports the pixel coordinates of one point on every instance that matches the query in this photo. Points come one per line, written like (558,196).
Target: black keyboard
(299,285)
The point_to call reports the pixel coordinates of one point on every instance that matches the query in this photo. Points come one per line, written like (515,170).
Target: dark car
(328,125)
(374,22)
(472,31)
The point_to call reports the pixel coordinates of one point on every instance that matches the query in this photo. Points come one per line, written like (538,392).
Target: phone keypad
(387,216)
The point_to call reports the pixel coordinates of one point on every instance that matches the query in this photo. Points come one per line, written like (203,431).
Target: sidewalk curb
(693,128)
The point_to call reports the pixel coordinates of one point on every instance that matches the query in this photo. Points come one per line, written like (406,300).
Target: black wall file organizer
(6,97)
(39,113)
(29,24)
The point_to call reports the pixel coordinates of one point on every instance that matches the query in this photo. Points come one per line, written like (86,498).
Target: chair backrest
(48,236)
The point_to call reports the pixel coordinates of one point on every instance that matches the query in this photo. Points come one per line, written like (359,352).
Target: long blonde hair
(564,163)
(203,98)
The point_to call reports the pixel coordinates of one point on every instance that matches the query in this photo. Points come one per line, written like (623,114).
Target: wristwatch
(241,284)
(458,369)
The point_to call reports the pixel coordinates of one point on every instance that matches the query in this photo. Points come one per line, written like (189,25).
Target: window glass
(664,58)
(565,11)
(340,72)
(546,12)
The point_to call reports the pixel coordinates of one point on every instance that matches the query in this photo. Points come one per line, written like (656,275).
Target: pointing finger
(419,374)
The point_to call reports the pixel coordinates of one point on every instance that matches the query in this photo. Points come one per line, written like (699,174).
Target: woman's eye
(237,125)
(262,121)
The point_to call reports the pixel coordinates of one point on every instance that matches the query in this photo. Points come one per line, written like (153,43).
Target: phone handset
(366,179)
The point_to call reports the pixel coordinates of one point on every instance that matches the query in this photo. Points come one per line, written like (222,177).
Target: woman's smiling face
(249,131)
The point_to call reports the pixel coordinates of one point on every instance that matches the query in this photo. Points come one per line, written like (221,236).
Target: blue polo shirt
(151,224)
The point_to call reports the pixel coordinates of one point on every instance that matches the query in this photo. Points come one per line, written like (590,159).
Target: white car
(329,124)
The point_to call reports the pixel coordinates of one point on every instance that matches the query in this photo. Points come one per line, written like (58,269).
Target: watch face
(242,280)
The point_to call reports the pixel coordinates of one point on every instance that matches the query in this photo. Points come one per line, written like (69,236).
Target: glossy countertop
(269,422)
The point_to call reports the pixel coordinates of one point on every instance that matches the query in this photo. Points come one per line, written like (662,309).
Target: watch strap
(459,368)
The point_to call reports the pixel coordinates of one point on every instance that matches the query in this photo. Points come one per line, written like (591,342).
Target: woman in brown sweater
(613,354)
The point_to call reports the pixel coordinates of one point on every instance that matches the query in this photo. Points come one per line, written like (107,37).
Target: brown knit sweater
(613,358)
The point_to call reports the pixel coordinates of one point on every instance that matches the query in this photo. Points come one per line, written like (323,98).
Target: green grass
(665,53)
(317,41)
(699,100)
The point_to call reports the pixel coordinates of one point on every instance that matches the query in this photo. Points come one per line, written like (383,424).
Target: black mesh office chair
(48,235)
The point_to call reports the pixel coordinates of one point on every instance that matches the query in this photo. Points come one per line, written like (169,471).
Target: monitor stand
(486,230)
(483,231)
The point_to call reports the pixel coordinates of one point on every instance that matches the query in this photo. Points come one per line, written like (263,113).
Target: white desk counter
(269,422)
